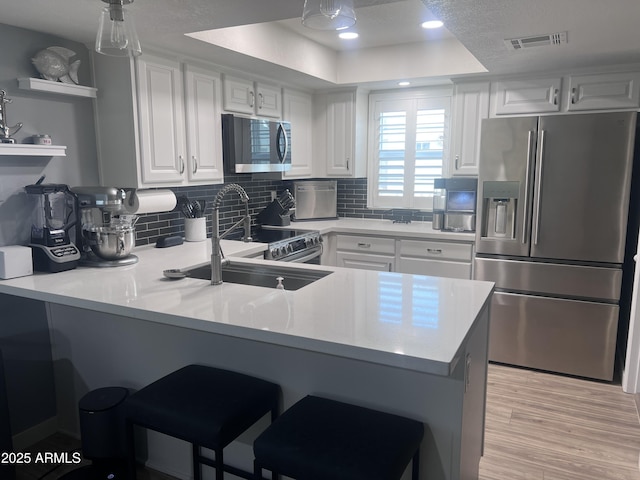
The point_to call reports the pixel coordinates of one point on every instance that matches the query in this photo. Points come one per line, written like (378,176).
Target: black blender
(53,217)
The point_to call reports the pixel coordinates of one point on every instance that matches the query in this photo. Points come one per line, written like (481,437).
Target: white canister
(41,139)
(195,229)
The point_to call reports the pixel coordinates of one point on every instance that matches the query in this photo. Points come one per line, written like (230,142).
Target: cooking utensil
(192,208)
(196,209)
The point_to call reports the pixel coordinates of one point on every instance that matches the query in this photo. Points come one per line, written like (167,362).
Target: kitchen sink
(256,275)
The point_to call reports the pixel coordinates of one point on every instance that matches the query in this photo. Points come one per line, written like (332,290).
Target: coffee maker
(53,219)
(106,230)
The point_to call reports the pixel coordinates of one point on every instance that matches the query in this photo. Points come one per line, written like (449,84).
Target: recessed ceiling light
(432,24)
(404,84)
(348,35)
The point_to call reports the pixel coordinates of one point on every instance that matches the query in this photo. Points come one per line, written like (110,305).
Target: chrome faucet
(217,257)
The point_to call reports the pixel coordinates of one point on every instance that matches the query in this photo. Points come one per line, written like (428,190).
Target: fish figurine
(53,63)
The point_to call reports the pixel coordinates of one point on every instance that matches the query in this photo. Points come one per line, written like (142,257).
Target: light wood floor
(548,427)
(538,427)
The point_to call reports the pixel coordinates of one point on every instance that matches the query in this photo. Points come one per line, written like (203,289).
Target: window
(408,148)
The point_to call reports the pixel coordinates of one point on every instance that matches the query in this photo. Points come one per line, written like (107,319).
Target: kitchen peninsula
(407,344)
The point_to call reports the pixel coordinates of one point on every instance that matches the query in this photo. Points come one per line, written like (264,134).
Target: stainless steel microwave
(255,145)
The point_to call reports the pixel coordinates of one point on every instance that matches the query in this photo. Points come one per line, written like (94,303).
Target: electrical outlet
(274,194)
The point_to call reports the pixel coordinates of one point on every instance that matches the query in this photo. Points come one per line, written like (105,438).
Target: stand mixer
(107,231)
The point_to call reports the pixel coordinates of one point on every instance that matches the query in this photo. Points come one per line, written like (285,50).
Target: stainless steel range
(290,245)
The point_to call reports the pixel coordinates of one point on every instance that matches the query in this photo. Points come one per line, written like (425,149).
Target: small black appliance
(53,218)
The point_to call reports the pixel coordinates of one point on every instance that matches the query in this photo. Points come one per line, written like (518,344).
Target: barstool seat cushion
(320,439)
(204,405)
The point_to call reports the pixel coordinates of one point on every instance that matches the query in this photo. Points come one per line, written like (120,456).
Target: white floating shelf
(27,150)
(41,85)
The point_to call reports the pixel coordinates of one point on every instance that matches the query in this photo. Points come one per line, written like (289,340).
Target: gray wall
(69,120)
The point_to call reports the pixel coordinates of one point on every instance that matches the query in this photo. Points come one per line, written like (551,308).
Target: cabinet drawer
(436,250)
(356,243)
(435,268)
(380,263)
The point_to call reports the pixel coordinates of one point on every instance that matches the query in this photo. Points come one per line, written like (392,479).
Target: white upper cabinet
(517,97)
(571,93)
(470,106)
(341,135)
(204,126)
(158,123)
(298,111)
(252,98)
(162,126)
(604,91)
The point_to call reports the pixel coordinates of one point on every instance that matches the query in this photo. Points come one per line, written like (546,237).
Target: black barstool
(205,406)
(7,470)
(320,439)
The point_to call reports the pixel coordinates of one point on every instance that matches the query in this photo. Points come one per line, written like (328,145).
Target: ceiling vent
(523,43)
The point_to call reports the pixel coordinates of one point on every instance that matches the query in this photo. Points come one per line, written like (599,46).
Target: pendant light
(116,33)
(328,14)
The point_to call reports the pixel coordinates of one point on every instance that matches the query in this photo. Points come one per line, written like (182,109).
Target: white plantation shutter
(408,150)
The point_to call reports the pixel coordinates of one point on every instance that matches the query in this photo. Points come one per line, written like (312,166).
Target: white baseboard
(35,434)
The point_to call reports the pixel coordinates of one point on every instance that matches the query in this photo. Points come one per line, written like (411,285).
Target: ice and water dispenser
(499,207)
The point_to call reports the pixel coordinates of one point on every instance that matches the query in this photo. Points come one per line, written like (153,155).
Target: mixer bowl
(111,243)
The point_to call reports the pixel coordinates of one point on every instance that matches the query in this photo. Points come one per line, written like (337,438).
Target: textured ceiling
(600,32)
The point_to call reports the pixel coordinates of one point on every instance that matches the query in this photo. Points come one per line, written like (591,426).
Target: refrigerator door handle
(538,194)
(526,185)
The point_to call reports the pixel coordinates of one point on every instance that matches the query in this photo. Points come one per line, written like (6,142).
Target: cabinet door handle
(195,164)
(555,97)
(434,250)
(252,102)
(457,162)
(573,96)
(180,157)
(261,100)
(364,245)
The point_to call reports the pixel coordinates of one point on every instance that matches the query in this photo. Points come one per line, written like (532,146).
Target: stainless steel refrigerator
(553,197)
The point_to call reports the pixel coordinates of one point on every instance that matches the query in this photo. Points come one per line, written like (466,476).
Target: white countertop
(365,226)
(408,321)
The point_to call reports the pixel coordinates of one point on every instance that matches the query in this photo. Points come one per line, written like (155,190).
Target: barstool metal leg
(219,465)
(131,451)
(415,470)
(197,468)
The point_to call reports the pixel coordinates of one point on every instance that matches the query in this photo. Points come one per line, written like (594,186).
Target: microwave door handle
(286,143)
(282,154)
(279,142)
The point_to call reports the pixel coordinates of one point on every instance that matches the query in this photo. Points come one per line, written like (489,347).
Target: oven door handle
(316,253)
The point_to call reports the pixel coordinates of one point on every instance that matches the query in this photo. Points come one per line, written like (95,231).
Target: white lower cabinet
(364,252)
(396,254)
(436,258)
